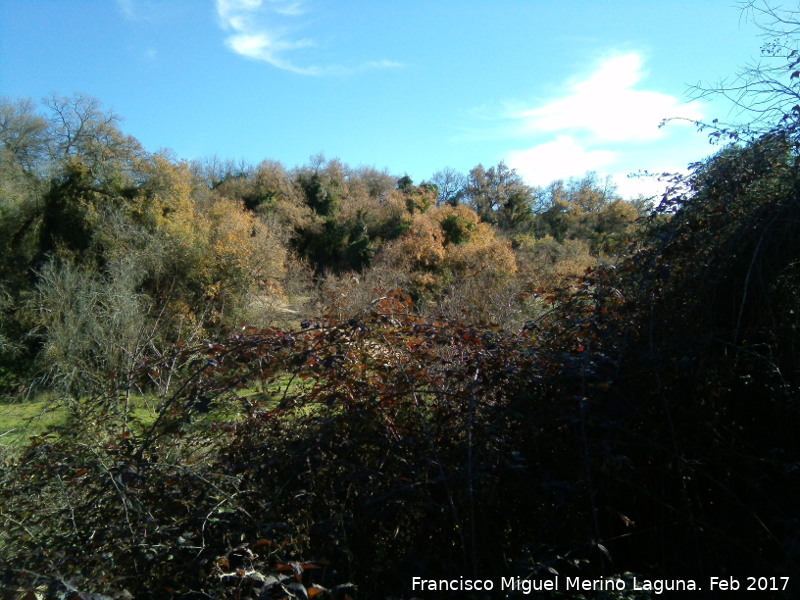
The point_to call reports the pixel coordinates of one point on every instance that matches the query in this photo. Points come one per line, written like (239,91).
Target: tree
(214,170)
(23,133)
(80,128)
(500,196)
(448,245)
(22,155)
(71,210)
(378,184)
(549,264)
(92,328)
(767,91)
(418,198)
(240,261)
(451,184)
(322,182)
(586,208)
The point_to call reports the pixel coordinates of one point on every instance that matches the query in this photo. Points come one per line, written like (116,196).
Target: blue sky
(553,87)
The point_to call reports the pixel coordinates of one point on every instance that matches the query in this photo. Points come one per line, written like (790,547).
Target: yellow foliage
(425,253)
(484,254)
(440,213)
(241,259)
(166,201)
(240,247)
(548,263)
(218,253)
(421,248)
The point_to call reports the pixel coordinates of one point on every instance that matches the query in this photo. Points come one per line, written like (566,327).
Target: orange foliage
(433,254)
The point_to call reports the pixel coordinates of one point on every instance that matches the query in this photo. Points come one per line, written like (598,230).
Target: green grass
(21,420)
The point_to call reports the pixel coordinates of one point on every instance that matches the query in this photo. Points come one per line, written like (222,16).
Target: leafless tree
(451,185)
(766,90)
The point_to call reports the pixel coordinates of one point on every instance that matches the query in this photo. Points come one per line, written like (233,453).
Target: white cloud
(260,30)
(249,37)
(608,106)
(631,186)
(606,122)
(558,159)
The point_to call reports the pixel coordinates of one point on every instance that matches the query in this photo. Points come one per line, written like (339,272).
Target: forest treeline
(325,381)
(110,251)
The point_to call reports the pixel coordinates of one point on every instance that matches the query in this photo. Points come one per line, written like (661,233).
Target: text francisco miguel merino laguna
(528,586)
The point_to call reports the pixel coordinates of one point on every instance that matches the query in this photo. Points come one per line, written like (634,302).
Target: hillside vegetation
(352,379)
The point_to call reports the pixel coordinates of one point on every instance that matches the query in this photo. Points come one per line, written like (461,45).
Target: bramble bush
(392,444)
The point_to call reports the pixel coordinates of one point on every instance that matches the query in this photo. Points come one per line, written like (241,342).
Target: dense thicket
(111,253)
(710,398)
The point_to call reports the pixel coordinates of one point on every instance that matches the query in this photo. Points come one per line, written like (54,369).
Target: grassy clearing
(19,421)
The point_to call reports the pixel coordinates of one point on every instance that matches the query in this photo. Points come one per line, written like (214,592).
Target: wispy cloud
(264,30)
(138,10)
(142,11)
(604,121)
(128,8)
